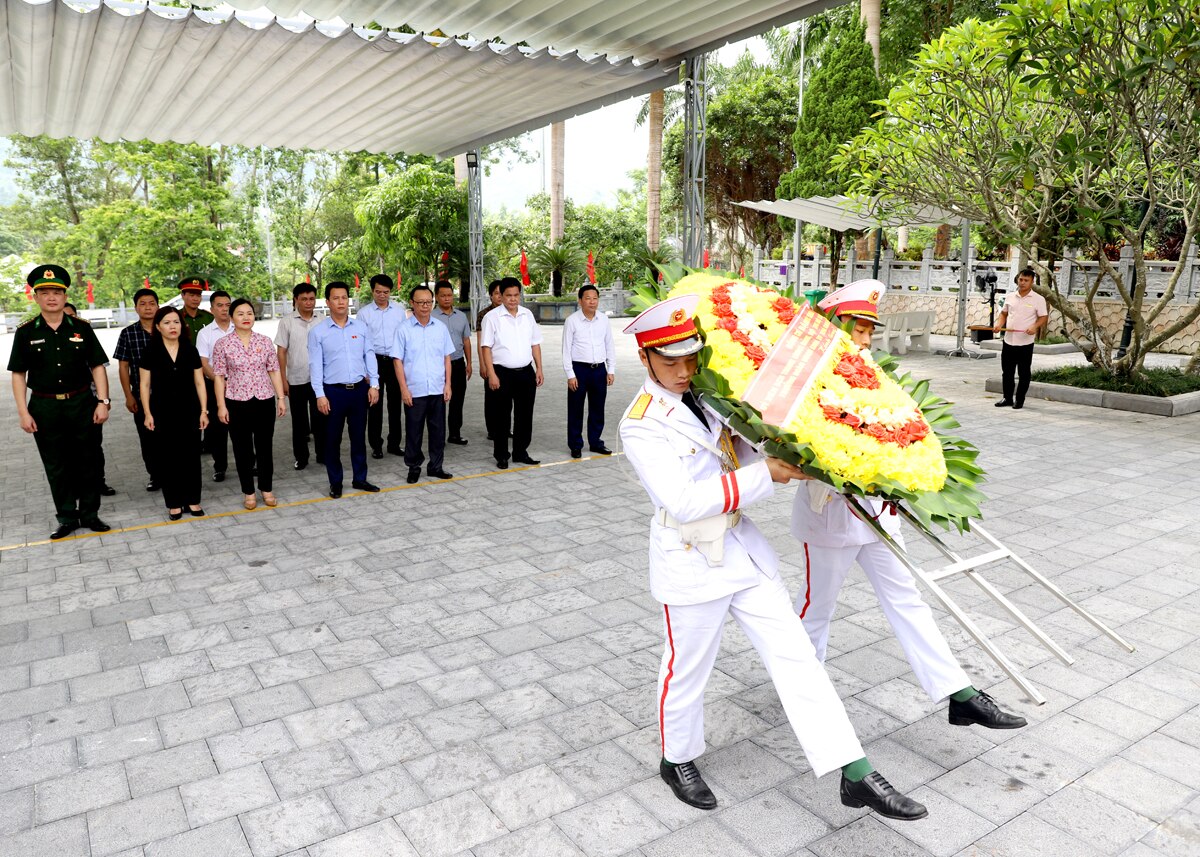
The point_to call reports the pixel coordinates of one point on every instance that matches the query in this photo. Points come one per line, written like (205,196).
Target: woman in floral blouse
(249,394)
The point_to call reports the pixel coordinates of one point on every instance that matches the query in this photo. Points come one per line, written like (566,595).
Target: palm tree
(654,171)
(869,11)
(558,144)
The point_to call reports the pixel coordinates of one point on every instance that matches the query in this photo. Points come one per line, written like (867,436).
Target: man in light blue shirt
(383,316)
(421,352)
(344,375)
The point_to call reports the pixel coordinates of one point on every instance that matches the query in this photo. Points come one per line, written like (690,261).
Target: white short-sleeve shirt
(511,337)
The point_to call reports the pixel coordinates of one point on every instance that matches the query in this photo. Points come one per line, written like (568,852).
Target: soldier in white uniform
(834,539)
(707,561)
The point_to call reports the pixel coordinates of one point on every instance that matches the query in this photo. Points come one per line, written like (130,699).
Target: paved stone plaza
(468,667)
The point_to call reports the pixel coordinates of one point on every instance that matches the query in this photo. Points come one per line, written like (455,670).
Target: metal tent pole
(695,98)
(475,231)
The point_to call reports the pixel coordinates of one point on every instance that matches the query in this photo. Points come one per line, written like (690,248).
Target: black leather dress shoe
(95,525)
(364,486)
(600,450)
(300,465)
(414,473)
(396,450)
(1018,405)
(502,463)
(1003,403)
(151,485)
(335,490)
(64,530)
(457,441)
(377,453)
(983,710)
(874,792)
(687,784)
(577,453)
(525,459)
(107,490)
(219,476)
(441,474)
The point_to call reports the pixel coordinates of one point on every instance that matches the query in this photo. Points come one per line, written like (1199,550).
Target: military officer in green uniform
(56,359)
(192,290)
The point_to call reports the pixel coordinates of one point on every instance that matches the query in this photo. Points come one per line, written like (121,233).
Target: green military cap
(49,277)
(192,284)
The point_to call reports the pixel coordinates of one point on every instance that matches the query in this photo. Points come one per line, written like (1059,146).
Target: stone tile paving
(468,667)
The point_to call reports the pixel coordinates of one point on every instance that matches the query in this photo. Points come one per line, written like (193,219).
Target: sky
(602,147)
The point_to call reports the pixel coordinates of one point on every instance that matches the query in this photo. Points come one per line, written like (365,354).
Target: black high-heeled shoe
(175,516)
(196,513)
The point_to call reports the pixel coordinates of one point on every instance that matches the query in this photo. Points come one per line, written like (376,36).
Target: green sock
(669,764)
(856,771)
(963,695)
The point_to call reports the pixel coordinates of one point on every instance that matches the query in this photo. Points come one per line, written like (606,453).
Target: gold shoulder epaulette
(638,409)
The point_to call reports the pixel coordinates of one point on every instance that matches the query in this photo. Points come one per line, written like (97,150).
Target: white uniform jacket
(674,457)
(821,516)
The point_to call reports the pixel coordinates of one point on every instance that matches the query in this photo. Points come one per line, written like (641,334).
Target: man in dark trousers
(382,316)
(1023,317)
(459,325)
(422,355)
(55,360)
(512,355)
(131,342)
(291,341)
(589,359)
(345,379)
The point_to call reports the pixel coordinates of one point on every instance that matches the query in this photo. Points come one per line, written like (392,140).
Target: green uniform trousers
(69,445)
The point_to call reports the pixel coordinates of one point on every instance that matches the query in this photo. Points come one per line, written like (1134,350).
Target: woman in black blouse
(175,404)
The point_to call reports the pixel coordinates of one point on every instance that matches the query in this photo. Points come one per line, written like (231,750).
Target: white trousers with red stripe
(693,635)
(912,621)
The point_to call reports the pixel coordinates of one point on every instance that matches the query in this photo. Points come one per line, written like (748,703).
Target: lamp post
(475,231)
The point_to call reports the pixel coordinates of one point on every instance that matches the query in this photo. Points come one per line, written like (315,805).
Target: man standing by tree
(589,359)
(345,380)
(1023,317)
(56,360)
(291,340)
(459,325)
(217,433)
(130,346)
(511,344)
(422,356)
(382,316)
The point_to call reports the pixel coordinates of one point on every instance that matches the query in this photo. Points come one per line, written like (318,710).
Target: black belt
(514,368)
(353,386)
(61,396)
(589,365)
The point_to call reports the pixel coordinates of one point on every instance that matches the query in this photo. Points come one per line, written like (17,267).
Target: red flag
(398,278)
(91,294)
(524,269)
(706,257)
(146,283)
(28,292)
(591,268)
(356,282)
(444,268)
(742,271)
(308,278)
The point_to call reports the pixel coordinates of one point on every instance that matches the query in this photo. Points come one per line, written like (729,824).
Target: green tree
(838,103)
(415,217)
(1075,136)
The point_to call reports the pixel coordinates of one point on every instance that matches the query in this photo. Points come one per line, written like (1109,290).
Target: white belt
(706,535)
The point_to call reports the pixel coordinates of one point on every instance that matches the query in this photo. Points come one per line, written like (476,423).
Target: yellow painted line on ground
(188,519)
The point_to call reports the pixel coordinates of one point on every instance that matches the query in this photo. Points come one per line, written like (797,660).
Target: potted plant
(559,260)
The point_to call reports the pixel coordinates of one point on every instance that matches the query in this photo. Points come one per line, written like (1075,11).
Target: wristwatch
(106,402)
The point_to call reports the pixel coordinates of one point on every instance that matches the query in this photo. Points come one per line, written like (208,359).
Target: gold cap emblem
(48,274)
(678,316)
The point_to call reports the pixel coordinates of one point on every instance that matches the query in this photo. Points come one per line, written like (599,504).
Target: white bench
(903,330)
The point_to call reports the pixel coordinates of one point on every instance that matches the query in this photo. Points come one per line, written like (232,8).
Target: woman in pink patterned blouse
(249,394)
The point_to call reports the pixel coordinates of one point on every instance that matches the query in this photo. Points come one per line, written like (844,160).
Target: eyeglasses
(422,303)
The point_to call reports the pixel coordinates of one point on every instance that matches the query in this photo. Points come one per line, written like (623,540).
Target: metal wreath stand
(970,567)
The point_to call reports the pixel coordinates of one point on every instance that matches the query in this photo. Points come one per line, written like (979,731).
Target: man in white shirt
(291,341)
(1023,317)
(511,349)
(216,436)
(382,317)
(589,360)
